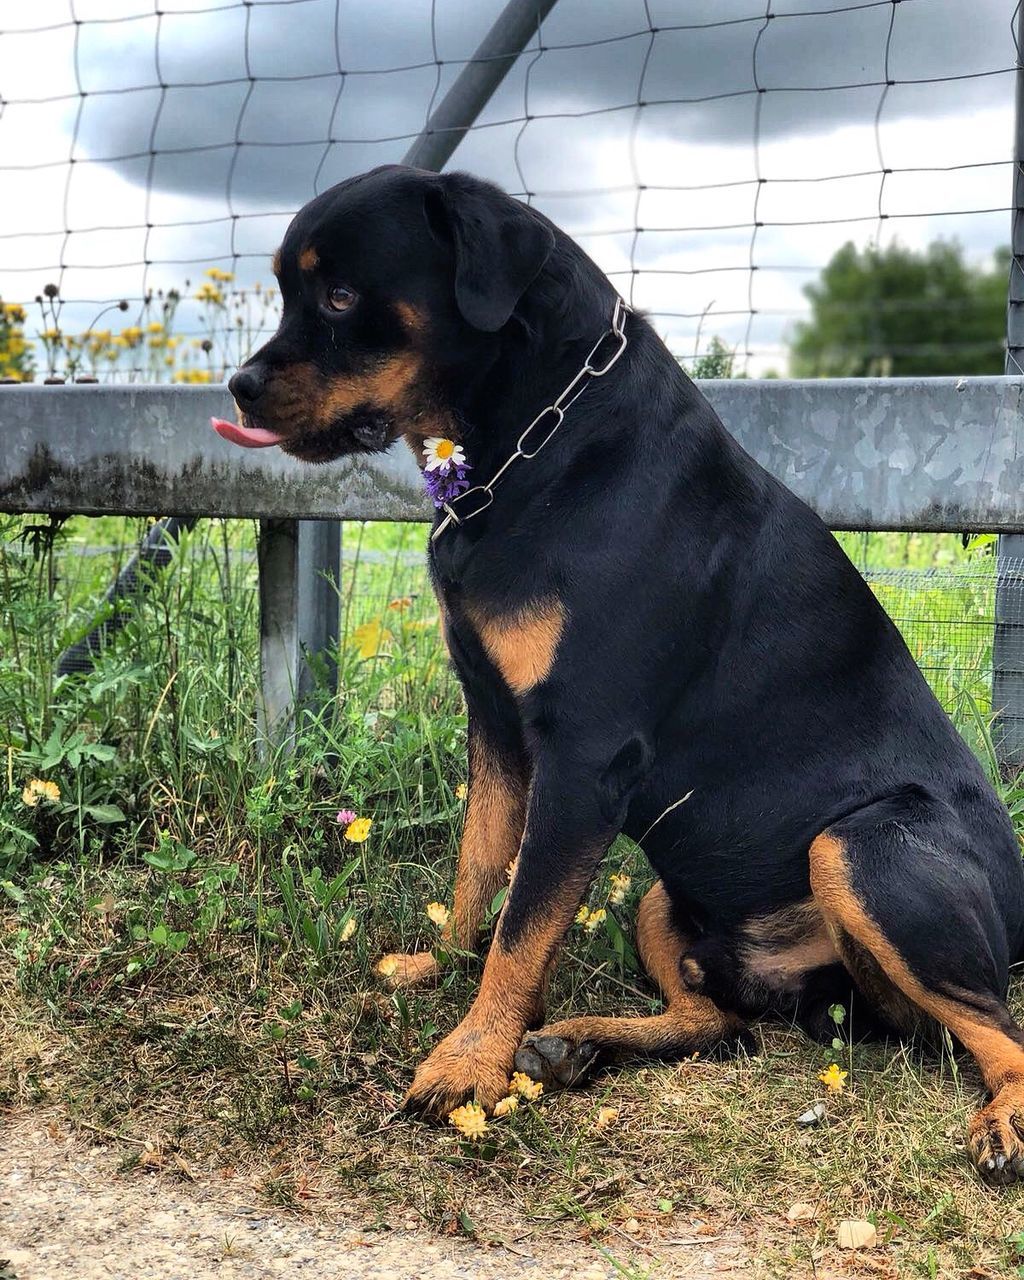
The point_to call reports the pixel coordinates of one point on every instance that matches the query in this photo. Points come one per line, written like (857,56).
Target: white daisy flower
(442,453)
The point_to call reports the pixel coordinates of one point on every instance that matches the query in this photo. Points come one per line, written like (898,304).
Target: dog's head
(394,285)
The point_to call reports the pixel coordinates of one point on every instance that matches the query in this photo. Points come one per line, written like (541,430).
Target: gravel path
(66,1211)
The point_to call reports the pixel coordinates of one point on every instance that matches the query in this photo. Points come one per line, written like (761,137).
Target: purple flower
(446,482)
(345,816)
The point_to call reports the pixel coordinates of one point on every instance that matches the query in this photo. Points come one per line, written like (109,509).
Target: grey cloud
(284,125)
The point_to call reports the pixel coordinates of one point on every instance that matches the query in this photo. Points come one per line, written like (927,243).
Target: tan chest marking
(522,645)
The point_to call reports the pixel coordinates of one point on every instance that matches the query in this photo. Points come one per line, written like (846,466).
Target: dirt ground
(67,1210)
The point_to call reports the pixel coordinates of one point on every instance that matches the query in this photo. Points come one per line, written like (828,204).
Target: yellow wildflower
(461,791)
(387,967)
(583,915)
(358,831)
(154,327)
(506,1106)
(210,293)
(470,1120)
(401,602)
(132,336)
(437,913)
(348,931)
(606,1116)
(620,886)
(525,1087)
(595,920)
(39,789)
(833,1079)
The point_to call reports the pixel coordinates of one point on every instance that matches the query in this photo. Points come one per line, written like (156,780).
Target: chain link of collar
(477,499)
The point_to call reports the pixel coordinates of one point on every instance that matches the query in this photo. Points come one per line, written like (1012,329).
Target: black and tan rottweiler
(640,614)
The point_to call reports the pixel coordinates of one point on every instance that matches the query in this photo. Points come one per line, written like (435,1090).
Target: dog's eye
(340,297)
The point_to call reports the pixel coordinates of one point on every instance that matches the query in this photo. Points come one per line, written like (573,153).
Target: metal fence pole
(1008,640)
(310,562)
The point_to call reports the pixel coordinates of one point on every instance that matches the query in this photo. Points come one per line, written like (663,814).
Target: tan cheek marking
(275,262)
(522,646)
(1000,1059)
(384,388)
(308,259)
(410,316)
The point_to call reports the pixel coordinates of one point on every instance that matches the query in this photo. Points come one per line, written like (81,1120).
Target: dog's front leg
(567,831)
(495,816)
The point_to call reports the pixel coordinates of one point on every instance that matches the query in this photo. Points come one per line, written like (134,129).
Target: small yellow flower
(38,789)
(606,1117)
(359,830)
(525,1087)
(437,913)
(595,920)
(833,1079)
(506,1106)
(348,932)
(154,327)
(583,915)
(620,886)
(401,602)
(387,967)
(470,1120)
(461,791)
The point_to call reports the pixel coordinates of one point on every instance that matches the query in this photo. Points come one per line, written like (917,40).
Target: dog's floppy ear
(499,244)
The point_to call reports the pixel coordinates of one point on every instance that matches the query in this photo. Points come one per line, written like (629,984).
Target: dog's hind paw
(556,1061)
(996,1138)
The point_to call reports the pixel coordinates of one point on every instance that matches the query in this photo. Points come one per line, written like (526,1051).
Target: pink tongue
(247,437)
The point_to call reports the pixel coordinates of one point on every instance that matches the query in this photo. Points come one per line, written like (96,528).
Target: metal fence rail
(940,455)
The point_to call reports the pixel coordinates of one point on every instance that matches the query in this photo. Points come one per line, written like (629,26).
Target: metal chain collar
(482,495)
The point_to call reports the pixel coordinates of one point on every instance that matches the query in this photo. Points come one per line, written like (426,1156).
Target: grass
(179,964)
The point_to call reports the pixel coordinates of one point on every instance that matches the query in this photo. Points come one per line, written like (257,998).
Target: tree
(898,312)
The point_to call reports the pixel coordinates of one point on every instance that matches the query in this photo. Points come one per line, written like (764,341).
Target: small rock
(631,1225)
(816,1114)
(801,1212)
(854,1233)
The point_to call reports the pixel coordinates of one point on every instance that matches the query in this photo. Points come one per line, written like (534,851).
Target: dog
(655,637)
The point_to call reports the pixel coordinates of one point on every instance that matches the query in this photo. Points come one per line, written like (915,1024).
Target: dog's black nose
(247,386)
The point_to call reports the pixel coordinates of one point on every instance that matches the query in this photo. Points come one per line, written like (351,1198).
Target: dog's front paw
(407,970)
(465,1067)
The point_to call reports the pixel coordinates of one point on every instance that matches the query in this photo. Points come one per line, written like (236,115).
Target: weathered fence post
(1008,640)
(299,573)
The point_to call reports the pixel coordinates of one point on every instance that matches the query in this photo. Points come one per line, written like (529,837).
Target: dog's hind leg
(564,1053)
(916,919)
(495,814)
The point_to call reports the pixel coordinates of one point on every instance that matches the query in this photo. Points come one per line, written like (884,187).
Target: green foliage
(895,312)
(717,362)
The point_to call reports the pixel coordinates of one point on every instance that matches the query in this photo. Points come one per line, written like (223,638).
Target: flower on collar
(443,454)
(444,471)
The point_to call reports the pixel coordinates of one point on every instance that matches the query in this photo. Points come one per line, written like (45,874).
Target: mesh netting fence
(710,154)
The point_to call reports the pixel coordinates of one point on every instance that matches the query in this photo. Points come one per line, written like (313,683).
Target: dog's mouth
(366,430)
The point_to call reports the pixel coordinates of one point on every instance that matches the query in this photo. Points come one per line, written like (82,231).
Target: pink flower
(345,816)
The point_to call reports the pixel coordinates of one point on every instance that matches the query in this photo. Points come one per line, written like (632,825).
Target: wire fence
(710,154)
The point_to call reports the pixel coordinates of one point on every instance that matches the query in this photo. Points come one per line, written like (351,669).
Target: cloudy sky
(213,122)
